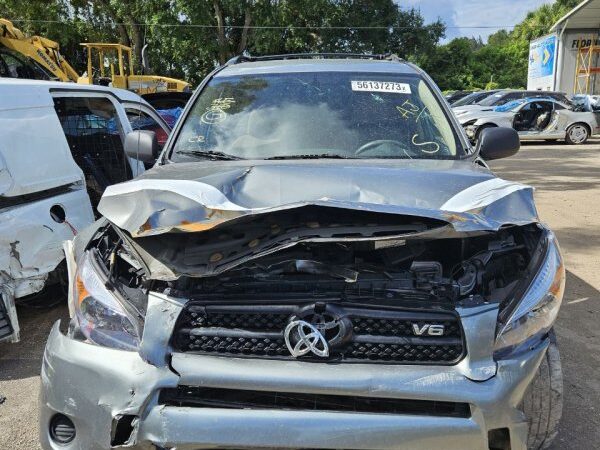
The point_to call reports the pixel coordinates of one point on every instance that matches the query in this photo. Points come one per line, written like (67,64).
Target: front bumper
(95,386)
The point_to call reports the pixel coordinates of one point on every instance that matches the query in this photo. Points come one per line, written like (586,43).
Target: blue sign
(542,53)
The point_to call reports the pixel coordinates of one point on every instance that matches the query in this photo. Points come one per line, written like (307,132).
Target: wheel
(577,134)
(543,400)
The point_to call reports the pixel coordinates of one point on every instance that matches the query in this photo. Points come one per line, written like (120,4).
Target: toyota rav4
(319,259)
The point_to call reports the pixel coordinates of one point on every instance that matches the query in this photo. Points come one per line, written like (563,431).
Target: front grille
(200,397)
(372,335)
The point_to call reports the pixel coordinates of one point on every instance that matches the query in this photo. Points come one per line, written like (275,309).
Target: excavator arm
(42,50)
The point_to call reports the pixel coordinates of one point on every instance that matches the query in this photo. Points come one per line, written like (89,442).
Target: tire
(543,400)
(577,134)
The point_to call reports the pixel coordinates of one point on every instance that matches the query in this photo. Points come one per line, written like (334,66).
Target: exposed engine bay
(317,260)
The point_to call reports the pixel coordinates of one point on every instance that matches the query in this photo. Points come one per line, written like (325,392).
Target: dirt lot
(568,197)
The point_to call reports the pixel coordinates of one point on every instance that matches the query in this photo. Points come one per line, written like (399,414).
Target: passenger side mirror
(142,145)
(498,142)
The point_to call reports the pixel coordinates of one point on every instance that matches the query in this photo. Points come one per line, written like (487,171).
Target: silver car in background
(533,119)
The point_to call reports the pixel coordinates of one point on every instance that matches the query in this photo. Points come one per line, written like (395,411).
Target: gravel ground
(567,179)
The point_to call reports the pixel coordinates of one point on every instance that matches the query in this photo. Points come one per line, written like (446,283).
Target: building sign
(542,58)
(584,42)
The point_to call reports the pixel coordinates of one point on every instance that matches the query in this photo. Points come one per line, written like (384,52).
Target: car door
(95,125)
(142,117)
(533,118)
(556,128)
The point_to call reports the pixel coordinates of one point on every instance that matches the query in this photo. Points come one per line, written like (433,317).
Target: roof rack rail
(380,57)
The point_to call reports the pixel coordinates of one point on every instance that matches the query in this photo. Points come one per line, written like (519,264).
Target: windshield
(318,114)
(471,99)
(510,106)
(493,99)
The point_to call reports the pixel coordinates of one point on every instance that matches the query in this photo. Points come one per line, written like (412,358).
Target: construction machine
(114,68)
(44,52)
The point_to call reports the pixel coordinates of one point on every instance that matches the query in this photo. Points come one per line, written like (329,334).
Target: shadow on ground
(24,359)
(579,344)
(551,169)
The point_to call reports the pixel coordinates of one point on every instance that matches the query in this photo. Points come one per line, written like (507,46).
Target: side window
(14,67)
(93,130)
(558,107)
(509,98)
(140,120)
(527,107)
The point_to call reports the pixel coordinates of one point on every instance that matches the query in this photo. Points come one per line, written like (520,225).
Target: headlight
(470,131)
(103,314)
(538,308)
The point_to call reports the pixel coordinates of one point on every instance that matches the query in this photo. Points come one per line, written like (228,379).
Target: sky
(473,13)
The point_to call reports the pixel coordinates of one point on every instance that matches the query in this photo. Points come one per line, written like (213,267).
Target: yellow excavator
(44,52)
(115,66)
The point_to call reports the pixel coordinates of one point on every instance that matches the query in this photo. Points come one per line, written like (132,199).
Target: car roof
(34,90)
(317,65)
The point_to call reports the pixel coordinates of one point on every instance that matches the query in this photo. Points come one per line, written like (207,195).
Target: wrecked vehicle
(534,119)
(319,259)
(60,146)
(503,96)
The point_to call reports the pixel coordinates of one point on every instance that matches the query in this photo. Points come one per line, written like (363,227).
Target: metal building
(567,60)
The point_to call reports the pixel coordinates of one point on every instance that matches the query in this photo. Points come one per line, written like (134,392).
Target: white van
(61,145)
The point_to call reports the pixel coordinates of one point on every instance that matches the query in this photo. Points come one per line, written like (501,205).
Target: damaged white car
(534,119)
(61,145)
(318,260)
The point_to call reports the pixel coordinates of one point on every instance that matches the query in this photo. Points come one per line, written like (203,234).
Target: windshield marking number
(380,86)
(407,110)
(216,112)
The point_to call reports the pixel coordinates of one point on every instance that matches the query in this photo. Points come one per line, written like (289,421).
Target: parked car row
(535,115)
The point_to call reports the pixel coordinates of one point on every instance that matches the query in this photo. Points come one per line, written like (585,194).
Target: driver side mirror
(497,143)
(142,145)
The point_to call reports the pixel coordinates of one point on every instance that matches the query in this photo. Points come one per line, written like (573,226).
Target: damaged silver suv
(318,260)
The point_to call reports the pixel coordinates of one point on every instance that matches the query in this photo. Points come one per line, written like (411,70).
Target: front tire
(543,400)
(577,134)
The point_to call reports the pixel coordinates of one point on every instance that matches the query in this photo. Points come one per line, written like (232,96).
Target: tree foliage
(502,62)
(188,38)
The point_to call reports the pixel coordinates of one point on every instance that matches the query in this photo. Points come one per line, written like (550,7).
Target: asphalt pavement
(567,179)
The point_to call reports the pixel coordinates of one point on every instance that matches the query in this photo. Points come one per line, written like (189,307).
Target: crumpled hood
(194,197)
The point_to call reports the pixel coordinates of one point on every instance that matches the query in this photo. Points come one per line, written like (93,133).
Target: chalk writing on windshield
(407,110)
(434,147)
(216,112)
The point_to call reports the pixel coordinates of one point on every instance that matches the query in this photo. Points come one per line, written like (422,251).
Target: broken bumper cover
(94,386)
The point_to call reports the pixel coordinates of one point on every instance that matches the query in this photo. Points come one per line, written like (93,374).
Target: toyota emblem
(302,337)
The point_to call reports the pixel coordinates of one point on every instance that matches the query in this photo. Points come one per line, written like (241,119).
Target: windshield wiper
(209,154)
(312,156)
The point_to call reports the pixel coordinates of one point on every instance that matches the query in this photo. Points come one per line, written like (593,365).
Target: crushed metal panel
(31,243)
(196,198)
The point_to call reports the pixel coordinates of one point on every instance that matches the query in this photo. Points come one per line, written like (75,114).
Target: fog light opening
(499,439)
(62,429)
(122,430)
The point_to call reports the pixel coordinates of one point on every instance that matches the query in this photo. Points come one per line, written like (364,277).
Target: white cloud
(474,17)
